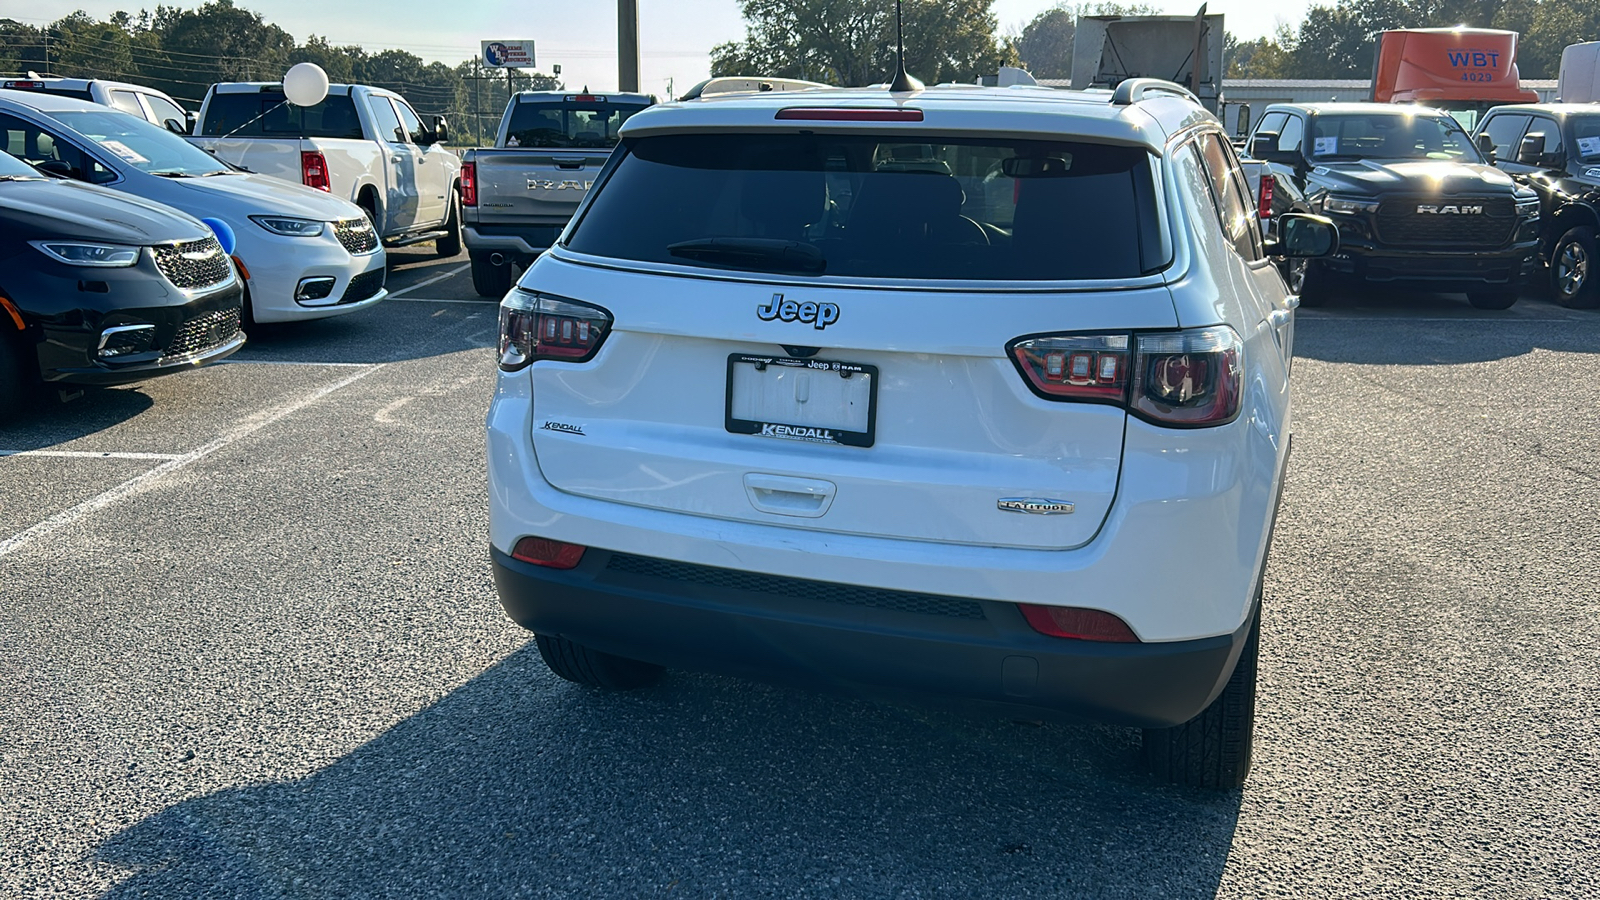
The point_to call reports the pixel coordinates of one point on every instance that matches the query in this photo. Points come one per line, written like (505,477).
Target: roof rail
(1133,90)
(749,84)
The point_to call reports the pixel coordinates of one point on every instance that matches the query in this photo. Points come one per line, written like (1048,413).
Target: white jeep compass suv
(977,395)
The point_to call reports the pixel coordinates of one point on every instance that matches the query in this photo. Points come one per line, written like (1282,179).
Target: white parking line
(90,454)
(481,301)
(294,362)
(434,280)
(138,483)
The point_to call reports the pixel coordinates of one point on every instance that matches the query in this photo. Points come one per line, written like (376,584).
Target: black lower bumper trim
(861,641)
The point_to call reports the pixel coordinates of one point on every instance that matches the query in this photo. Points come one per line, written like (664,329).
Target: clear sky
(676,36)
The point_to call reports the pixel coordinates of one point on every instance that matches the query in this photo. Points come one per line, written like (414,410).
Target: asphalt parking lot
(252,649)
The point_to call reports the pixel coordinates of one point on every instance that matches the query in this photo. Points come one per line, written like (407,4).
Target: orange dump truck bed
(1437,65)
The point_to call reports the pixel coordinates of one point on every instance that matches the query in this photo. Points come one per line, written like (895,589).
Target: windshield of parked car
(568,123)
(1586,135)
(1385,135)
(907,206)
(11,167)
(144,146)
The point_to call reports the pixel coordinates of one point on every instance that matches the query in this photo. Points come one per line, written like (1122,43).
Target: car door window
(1228,189)
(1292,135)
(387,122)
(1552,133)
(34,145)
(1272,122)
(167,111)
(411,124)
(128,102)
(1506,131)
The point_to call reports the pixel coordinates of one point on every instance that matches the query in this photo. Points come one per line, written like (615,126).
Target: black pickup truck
(1554,148)
(1416,203)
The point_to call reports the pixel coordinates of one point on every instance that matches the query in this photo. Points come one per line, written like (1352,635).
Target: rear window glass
(568,123)
(934,207)
(265,114)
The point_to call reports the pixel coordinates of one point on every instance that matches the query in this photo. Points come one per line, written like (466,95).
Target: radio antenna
(902,81)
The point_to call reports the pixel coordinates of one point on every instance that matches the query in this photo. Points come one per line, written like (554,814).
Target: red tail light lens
(537,326)
(1269,184)
(1189,378)
(1079,624)
(314,170)
(469,184)
(548,553)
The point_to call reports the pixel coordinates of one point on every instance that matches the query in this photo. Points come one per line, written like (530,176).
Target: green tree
(227,43)
(1045,45)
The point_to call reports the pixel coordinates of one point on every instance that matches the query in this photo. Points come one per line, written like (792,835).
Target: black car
(1555,149)
(103,288)
(1416,203)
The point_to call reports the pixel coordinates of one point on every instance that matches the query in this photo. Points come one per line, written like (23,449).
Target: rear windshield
(568,123)
(264,114)
(935,207)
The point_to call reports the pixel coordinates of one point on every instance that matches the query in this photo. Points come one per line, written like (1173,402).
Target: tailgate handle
(569,163)
(785,496)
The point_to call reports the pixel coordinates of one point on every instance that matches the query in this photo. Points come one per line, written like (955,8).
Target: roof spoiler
(750,84)
(1133,90)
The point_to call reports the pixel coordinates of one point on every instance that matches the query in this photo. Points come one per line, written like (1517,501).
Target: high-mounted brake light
(1076,623)
(469,184)
(24,85)
(537,326)
(548,553)
(850,114)
(1268,185)
(1190,378)
(314,170)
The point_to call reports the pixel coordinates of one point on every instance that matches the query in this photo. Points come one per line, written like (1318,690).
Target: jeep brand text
(820,315)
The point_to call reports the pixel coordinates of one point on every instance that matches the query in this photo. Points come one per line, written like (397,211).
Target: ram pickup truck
(1416,203)
(517,196)
(362,143)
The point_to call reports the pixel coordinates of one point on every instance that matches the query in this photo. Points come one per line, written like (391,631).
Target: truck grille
(356,235)
(197,264)
(1400,225)
(363,287)
(203,332)
(794,588)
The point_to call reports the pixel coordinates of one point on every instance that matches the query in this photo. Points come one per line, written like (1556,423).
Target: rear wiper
(754,253)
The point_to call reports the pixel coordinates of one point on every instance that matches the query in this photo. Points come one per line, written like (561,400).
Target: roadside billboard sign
(508,54)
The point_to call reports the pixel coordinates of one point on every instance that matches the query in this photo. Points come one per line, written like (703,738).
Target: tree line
(184,51)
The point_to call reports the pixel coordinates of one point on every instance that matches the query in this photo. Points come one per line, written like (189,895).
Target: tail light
(1190,378)
(536,326)
(1268,185)
(469,184)
(314,170)
(1076,623)
(548,553)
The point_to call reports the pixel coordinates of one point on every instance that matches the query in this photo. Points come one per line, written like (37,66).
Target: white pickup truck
(517,197)
(362,143)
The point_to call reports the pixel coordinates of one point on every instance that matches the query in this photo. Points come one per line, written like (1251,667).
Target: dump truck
(1108,50)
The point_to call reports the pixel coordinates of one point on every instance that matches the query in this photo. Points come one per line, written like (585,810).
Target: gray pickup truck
(517,196)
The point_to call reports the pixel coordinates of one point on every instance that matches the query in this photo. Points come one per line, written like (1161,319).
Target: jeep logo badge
(1451,210)
(820,315)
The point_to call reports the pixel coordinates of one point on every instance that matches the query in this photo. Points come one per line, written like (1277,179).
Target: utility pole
(628,46)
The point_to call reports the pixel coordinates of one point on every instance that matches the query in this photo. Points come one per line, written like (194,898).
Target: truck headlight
(1341,205)
(1527,206)
(74,253)
(289,227)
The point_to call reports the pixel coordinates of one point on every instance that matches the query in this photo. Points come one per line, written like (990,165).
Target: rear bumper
(520,243)
(970,654)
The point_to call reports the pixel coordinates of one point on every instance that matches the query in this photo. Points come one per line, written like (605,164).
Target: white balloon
(305,84)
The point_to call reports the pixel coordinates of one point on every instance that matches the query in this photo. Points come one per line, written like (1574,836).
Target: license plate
(822,401)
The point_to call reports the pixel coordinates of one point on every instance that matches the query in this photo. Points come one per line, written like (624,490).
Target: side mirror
(1304,236)
(1531,148)
(174,126)
(1263,143)
(1486,146)
(1241,125)
(441,130)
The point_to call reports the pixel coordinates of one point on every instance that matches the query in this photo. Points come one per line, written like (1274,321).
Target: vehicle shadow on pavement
(517,784)
(52,422)
(1399,329)
(392,331)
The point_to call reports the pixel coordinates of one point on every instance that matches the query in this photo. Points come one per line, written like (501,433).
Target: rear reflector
(814,113)
(548,553)
(1079,624)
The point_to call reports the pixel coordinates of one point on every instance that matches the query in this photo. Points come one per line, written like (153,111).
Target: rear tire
(1308,280)
(1492,299)
(1572,269)
(1213,749)
(488,279)
(582,665)
(450,244)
